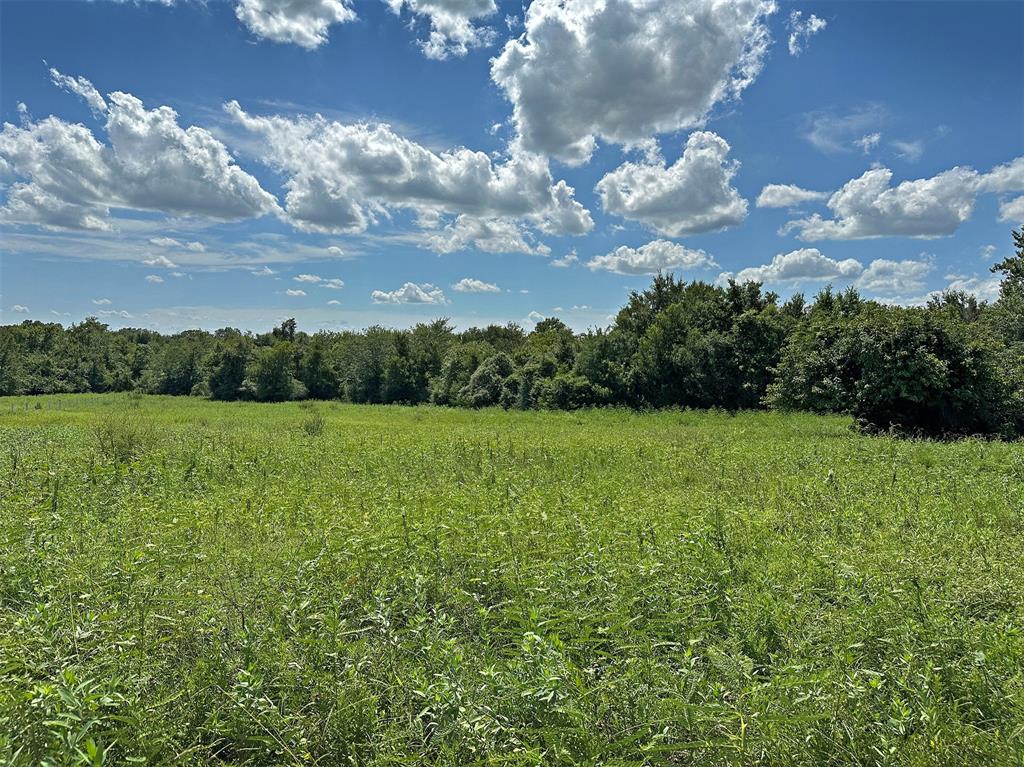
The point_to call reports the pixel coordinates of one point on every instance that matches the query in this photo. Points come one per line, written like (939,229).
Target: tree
(271,373)
(227,365)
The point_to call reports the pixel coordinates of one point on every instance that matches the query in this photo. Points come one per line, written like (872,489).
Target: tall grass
(429,586)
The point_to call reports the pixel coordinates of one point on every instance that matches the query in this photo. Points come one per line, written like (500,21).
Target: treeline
(955,366)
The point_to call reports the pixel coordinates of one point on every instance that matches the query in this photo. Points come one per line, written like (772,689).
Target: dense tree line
(955,366)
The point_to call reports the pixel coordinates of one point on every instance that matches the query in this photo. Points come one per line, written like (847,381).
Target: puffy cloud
(1012,211)
(114,313)
(155,279)
(66,178)
(804,265)
(294,292)
(170,242)
(334,302)
(1008,177)
(19,309)
(493,235)
(410,293)
(471,285)
(343,177)
(307,278)
(452,31)
(623,70)
(334,250)
(692,195)
(870,207)
(303,22)
(332,283)
(786,196)
(102,301)
(266,271)
(565,261)
(654,257)
(161,260)
(801,30)
(895,277)
(80,87)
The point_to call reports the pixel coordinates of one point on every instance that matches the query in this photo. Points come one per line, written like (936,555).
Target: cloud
(334,302)
(345,177)
(410,293)
(334,250)
(170,242)
(452,31)
(868,142)
(565,261)
(66,178)
(869,206)
(266,271)
(491,235)
(624,70)
(155,279)
(470,285)
(692,195)
(803,265)
(534,317)
(332,283)
(302,22)
(82,88)
(294,292)
(1012,211)
(160,260)
(831,132)
(983,288)
(801,30)
(887,277)
(654,257)
(786,196)
(102,301)
(1008,177)
(19,309)
(909,150)
(114,313)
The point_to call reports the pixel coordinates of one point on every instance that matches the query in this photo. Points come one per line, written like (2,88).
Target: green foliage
(433,586)
(272,374)
(227,365)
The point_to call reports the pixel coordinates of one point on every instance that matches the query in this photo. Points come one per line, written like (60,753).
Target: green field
(185,582)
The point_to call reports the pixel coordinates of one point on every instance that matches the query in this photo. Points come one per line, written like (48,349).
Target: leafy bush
(123,435)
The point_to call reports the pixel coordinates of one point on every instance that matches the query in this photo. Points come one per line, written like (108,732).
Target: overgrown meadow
(200,583)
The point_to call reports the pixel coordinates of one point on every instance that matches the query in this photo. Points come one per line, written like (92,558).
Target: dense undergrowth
(195,583)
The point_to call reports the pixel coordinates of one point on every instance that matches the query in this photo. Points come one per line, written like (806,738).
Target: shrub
(122,436)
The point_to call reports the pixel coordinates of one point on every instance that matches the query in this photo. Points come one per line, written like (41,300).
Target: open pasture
(187,582)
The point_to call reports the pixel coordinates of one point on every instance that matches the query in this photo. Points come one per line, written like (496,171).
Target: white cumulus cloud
(471,285)
(695,194)
(1012,211)
(654,257)
(624,70)
(803,265)
(886,277)
(294,292)
(64,177)
(345,177)
(410,293)
(453,30)
(302,22)
(869,206)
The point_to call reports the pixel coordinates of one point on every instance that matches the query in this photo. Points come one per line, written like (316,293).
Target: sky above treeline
(176,164)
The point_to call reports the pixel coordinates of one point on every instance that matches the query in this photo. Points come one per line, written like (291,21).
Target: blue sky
(489,163)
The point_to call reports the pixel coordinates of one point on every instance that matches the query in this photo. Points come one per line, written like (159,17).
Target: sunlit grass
(184,582)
